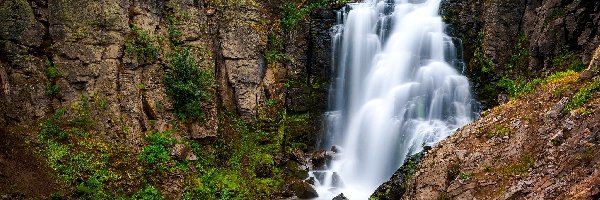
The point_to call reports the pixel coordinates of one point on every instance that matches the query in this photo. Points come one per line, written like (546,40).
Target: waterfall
(398,88)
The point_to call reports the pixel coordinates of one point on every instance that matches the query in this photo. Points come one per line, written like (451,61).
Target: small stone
(340,197)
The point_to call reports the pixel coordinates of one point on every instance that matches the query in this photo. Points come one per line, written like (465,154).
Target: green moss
(143,45)
(583,95)
(525,163)
(559,75)
(187,85)
(588,154)
(555,13)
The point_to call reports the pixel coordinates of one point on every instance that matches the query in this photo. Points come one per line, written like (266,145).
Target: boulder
(303,190)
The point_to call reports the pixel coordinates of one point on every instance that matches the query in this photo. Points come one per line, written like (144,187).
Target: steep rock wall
(521,39)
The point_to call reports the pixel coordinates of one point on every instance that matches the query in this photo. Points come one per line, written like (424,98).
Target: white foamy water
(398,88)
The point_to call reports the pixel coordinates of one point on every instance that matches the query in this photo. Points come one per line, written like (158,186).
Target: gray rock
(340,197)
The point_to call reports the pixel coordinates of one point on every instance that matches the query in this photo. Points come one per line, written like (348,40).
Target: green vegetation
(157,154)
(583,95)
(143,45)
(292,14)
(453,171)
(83,119)
(148,193)
(499,130)
(588,154)
(174,33)
(568,60)
(487,168)
(465,176)
(525,163)
(245,170)
(53,74)
(187,85)
(271,102)
(103,103)
(517,88)
(521,53)
(555,13)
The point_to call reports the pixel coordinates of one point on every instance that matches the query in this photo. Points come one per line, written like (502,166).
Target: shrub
(143,45)
(187,85)
(157,152)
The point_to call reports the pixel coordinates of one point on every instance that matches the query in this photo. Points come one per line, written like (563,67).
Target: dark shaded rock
(303,190)
(318,159)
(340,197)
(295,170)
(396,187)
(335,149)
(311,180)
(18,23)
(336,180)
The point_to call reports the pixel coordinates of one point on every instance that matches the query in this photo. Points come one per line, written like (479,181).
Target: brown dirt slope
(528,148)
(23,174)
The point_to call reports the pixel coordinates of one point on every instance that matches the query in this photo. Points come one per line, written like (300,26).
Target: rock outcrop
(521,39)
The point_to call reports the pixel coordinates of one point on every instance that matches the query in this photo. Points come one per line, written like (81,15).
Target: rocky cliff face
(103,63)
(520,39)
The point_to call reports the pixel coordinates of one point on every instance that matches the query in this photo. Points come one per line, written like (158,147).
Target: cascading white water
(397,89)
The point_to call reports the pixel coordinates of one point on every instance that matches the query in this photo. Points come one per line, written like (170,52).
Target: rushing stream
(398,88)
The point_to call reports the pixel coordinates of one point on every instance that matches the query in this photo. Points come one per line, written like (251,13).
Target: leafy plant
(53,74)
(465,175)
(157,153)
(143,45)
(187,85)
